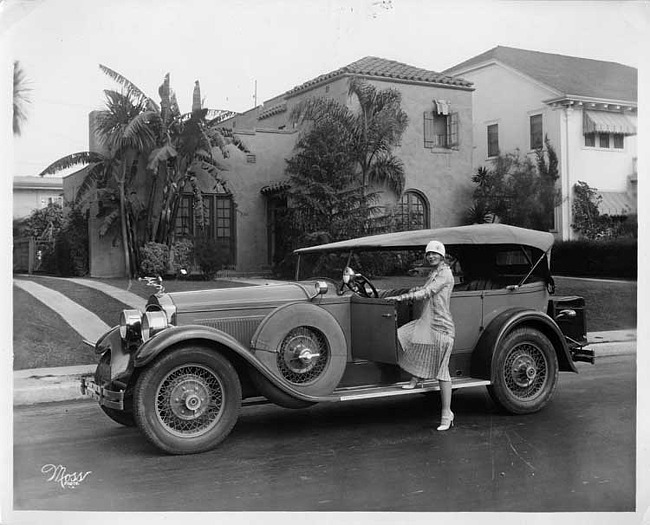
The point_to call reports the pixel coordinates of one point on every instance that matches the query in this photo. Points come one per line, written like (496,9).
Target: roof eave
(582,100)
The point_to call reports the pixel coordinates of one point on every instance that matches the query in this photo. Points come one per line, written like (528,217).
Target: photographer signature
(59,474)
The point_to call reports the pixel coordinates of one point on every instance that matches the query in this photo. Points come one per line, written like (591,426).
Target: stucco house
(34,193)
(436,150)
(587,108)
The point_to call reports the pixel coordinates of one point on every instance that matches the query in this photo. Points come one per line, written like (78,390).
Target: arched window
(412,211)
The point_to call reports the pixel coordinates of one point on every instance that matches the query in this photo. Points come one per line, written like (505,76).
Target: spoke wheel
(525,372)
(187,400)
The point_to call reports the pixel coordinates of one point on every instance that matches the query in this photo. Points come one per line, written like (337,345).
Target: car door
(373,328)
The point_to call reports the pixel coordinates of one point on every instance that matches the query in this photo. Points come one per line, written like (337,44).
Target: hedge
(612,258)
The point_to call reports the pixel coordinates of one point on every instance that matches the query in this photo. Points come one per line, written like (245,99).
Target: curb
(47,385)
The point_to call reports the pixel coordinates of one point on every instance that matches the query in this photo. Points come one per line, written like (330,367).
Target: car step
(357,393)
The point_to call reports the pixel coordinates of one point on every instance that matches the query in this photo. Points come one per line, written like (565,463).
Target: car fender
(268,338)
(198,334)
(503,324)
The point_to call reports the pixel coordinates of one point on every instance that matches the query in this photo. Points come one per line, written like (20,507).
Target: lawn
(609,305)
(43,339)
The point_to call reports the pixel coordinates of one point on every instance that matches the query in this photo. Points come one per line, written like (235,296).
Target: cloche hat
(436,247)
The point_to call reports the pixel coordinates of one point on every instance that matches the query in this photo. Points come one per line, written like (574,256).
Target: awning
(275,187)
(605,122)
(616,203)
(441,106)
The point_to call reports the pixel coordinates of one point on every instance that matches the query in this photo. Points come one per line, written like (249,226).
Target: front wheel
(525,372)
(188,400)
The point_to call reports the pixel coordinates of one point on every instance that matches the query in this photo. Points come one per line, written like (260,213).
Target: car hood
(202,300)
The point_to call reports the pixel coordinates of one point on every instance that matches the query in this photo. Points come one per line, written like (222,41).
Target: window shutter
(428,130)
(452,130)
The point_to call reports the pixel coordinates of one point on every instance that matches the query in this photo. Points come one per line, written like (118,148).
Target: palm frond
(81,158)
(95,177)
(216,116)
(108,222)
(388,170)
(21,98)
(125,82)
(161,155)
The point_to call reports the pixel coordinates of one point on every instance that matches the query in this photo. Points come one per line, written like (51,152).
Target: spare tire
(304,346)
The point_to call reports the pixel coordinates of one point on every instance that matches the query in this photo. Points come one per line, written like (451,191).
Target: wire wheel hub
(303,355)
(189,401)
(525,370)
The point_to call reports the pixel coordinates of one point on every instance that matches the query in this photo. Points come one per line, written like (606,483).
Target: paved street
(576,455)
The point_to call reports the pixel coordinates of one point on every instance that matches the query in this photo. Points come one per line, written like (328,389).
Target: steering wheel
(358,283)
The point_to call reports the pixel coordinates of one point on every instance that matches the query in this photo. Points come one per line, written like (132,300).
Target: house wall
(508,99)
(604,169)
(442,175)
(245,180)
(30,197)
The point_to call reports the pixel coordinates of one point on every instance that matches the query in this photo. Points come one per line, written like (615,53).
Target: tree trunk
(125,235)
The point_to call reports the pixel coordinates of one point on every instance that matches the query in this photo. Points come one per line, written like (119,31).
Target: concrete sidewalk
(43,385)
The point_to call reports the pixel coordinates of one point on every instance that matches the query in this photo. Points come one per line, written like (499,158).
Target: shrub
(210,256)
(614,258)
(154,258)
(71,248)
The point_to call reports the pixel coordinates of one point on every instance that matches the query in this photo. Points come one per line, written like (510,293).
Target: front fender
(507,321)
(198,333)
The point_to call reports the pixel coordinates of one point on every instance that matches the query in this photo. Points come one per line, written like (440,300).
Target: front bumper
(108,398)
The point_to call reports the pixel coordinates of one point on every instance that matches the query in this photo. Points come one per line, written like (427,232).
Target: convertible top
(473,234)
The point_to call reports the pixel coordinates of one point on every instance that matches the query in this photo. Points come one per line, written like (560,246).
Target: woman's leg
(445,394)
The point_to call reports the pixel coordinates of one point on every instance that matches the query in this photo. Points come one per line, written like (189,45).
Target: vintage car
(182,369)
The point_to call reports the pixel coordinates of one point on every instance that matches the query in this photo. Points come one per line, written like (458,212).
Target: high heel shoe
(413,383)
(446,422)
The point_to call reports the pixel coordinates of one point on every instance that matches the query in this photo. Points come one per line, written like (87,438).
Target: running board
(357,393)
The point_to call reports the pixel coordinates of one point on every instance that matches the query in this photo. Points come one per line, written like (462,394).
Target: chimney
(94,143)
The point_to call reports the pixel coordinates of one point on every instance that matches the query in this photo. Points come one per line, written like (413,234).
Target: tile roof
(568,75)
(381,67)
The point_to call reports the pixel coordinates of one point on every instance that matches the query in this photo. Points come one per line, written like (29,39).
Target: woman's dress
(427,342)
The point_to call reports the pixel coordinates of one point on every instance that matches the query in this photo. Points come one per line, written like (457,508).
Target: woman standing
(427,342)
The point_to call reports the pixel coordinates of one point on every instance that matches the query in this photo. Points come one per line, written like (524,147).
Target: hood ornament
(156,282)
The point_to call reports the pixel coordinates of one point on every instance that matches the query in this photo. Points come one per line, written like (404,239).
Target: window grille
(412,212)
(440,131)
(536,132)
(493,140)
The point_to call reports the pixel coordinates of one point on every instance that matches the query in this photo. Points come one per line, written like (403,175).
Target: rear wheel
(103,378)
(188,400)
(525,374)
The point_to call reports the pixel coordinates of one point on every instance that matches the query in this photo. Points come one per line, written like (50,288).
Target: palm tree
(21,98)
(113,172)
(184,153)
(373,129)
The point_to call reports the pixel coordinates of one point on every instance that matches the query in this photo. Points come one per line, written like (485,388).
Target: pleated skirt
(426,360)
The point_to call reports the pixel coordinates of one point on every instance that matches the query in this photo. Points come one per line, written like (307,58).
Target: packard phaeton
(181,369)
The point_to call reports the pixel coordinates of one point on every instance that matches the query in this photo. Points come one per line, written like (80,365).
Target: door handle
(387,316)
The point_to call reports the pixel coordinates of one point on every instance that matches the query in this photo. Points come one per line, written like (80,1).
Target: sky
(229,46)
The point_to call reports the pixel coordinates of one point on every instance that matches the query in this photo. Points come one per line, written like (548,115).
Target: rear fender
(176,337)
(503,324)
